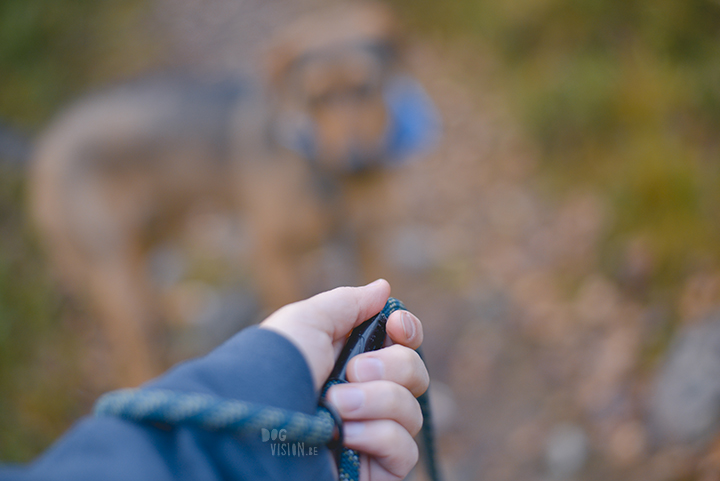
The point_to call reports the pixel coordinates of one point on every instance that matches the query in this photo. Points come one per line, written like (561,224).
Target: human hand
(378,405)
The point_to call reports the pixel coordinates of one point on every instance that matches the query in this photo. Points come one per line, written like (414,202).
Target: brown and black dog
(122,171)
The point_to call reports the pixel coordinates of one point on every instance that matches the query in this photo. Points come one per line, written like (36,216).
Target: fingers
(392,449)
(377,400)
(379,405)
(404,328)
(396,363)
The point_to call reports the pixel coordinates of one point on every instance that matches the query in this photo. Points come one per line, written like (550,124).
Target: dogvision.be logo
(279,447)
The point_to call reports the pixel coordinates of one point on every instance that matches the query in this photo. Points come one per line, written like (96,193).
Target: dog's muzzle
(414,127)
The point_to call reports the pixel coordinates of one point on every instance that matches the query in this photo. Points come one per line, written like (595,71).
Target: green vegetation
(36,361)
(50,50)
(623,98)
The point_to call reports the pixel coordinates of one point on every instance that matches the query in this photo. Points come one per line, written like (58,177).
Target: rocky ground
(541,363)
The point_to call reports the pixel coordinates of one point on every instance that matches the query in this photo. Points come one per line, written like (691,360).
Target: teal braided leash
(348,460)
(218,414)
(213,413)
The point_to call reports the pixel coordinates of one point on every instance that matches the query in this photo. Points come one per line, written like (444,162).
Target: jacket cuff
(255,365)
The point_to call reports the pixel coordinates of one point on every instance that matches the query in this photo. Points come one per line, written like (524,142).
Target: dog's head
(330,72)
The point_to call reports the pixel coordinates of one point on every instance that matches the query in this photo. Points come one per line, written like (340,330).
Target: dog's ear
(346,23)
(277,63)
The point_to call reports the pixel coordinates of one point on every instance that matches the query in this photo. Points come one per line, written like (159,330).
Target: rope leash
(243,418)
(213,413)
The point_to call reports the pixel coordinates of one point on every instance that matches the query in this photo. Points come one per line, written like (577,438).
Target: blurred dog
(122,171)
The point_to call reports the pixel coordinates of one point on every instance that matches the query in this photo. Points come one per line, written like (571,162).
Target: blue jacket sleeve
(255,365)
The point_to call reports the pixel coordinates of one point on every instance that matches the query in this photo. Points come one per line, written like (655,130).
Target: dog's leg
(285,222)
(117,290)
(271,261)
(365,211)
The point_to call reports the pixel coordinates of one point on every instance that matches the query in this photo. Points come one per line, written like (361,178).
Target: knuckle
(392,432)
(414,455)
(406,368)
(409,356)
(404,408)
(424,383)
(396,396)
(399,450)
(408,458)
(404,358)
(415,375)
(417,419)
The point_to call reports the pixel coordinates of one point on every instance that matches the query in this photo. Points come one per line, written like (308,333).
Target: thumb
(317,325)
(340,310)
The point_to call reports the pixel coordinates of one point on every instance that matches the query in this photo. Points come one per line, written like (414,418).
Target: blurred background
(561,245)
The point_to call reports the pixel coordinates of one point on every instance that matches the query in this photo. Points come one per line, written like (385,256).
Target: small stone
(443,406)
(685,406)
(566,450)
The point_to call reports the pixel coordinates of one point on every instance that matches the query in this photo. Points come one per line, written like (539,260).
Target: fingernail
(352,430)
(408,324)
(347,398)
(375,282)
(369,369)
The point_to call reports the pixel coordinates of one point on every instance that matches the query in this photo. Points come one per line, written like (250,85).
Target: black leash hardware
(370,336)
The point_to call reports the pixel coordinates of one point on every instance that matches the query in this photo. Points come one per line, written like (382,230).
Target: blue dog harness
(414,125)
